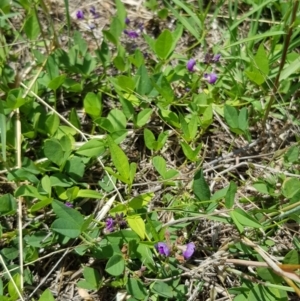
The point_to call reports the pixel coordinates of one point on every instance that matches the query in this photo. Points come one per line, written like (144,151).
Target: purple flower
(110,225)
(68,204)
(131,34)
(189,251)
(216,58)
(127,21)
(163,249)
(93,12)
(211,77)
(79,14)
(120,220)
(190,65)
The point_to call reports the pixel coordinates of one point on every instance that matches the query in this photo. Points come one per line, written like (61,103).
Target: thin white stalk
(20,226)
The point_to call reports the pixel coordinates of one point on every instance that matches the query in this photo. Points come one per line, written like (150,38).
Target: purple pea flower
(190,65)
(211,77)
(68,204)
(110,225)
(216,58)
(127,21)
(131,33)
(189,251)
(79,15)
(163,249)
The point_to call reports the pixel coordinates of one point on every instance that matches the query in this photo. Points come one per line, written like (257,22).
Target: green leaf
(149,139)
(171,173)
(191,154)
(143,117)
(88,193)
(292,257)
(244,218)
(92,277)
(31,191)
(144,85)
(54,151)
(55,83)
(40,205)
(52,67)
(80,42)
(115,265)
(69,222)
(92,104)
(67,228)
(229,198)
(121,11)
(140,201)
(200,187)
(136,288)
(46,184)
(137,224)
(163,289)
(259,68)
(260,292)
(161,140)
(165,89)
(119,158)
(290,187)
(8,204)
(126,83)
(117,119)
(170,118)
(60,180)
(160,165)
(231,116)
(290,68)
(47,296)
(116,29)
(236,222)
(163,44)
(75,168)
(11,287)
(243,119)
(10,253)
(133,167)
(31,27)
(74,119)
(51,124)
(292,154)
(92,148)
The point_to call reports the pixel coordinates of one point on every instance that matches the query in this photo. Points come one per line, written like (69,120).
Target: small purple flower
(211,77)
(93,12)
(216,58)
(68,204)
(163,249)
(127,21)
(110,225)
(190,65)
(120,220)
(79,15)
(131,34)
(189,251)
